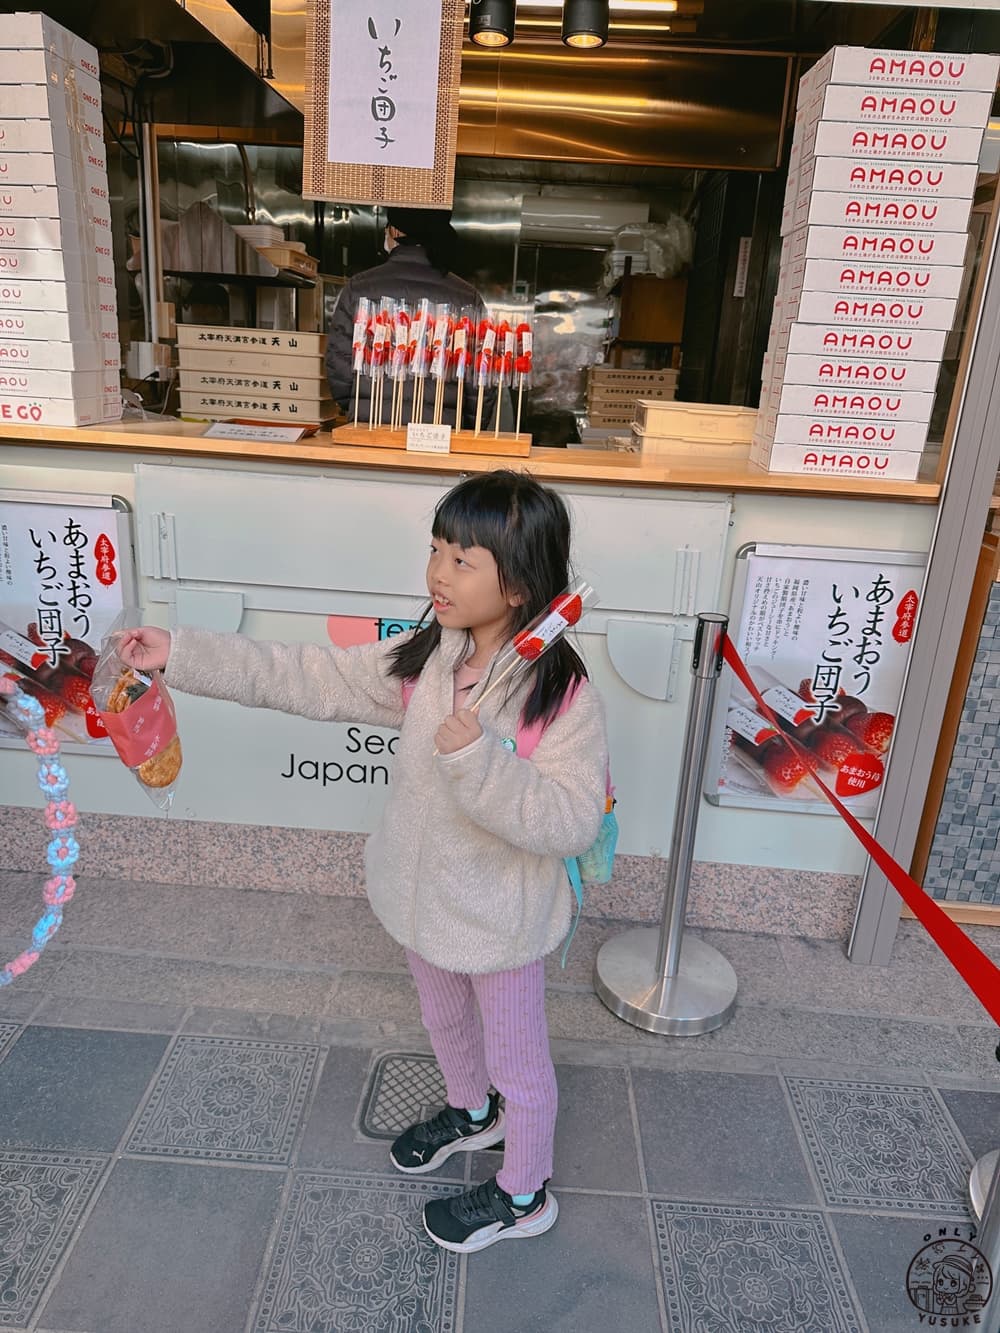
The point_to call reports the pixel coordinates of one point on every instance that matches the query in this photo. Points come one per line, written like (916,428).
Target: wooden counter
(183,439)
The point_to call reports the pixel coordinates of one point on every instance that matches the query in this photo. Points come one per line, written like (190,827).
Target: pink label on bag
(144,728)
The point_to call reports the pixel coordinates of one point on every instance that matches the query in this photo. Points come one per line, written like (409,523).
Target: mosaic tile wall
(964,864)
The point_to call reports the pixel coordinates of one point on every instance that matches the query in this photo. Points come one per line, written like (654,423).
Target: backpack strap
(409,685)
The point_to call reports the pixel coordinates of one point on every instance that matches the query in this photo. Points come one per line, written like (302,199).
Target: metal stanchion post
(984,1194)
(660,980)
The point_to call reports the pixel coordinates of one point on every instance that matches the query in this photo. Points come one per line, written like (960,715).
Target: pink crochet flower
(22,962)
(44,741)
(60,815)
(58,890)
(8,685)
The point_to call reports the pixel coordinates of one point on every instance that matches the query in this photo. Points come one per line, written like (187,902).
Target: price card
(231,430)
(423,438)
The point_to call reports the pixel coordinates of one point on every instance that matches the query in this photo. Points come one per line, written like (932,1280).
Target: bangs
(467,518)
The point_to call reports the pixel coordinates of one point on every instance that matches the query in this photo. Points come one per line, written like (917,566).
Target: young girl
(466,870)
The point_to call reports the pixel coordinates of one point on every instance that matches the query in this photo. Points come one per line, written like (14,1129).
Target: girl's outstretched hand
(457,731)
(146,648)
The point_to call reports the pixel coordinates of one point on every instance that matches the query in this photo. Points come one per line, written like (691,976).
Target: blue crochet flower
(53,779)
(45,928)
(28,710)
(63,852)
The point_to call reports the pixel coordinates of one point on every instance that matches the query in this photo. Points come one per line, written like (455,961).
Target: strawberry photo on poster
(61,587)
(826,639)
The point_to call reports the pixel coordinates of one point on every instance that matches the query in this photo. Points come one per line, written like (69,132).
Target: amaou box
(884,344)
(89,181)
(55,203)
(895,466)
(50,411)
(869,175)
(22,354)
(872,373)
(858,243)
(35,32)
(76,100)
(908,312)
(84,144)
(865,277)
(920,69)
(833,138)
(860,212)
(77,384)
(898,106)
(861,404)
(836,432)
(97,265)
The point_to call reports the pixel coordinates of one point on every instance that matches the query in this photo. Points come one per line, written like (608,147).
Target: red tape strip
(978,971)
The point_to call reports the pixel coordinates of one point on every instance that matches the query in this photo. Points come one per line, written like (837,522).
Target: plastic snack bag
(138,712)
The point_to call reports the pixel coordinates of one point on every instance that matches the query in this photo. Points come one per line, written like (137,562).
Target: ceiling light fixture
(585,23)
(491,22)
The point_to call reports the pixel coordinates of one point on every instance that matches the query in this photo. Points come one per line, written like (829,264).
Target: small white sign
(231,430)
(423,438)
(383,81)
(742,266)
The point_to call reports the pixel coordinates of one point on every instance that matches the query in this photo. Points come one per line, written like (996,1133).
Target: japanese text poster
(64,577)
(383,90)
(825,636)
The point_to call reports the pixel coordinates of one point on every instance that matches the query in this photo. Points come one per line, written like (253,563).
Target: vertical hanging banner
(825,635)
(381,113)
(66,572)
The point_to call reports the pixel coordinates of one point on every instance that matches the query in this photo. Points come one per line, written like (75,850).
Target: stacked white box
(59,351)
(875,237)
(271,375)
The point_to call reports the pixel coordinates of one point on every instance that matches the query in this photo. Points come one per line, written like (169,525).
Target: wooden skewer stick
(520,394)
(474,708)
(496,424)
(479,410)
(458,408)
(357,395)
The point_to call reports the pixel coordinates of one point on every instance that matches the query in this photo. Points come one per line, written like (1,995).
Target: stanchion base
(700,998)
(980,1179)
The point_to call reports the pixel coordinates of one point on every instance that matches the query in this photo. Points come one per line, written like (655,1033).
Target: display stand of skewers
(411,353)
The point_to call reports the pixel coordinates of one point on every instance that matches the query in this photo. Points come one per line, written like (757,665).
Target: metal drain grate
(402,1089)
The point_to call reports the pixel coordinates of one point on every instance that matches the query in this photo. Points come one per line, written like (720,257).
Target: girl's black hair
(526,529)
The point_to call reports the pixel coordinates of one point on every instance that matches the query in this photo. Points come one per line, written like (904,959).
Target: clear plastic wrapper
(57,675)
(138,712)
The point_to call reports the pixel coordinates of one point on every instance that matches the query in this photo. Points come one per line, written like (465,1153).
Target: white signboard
(66,572)
(825,635)
(383,83)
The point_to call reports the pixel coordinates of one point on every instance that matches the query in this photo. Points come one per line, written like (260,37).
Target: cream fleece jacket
(466,867)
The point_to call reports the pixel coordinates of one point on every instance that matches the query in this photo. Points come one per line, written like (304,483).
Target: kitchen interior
(627,199)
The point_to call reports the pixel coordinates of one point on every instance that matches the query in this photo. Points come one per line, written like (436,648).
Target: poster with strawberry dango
(825,635)
(66,572)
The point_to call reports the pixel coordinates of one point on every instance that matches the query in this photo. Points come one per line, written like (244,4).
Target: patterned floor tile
(402,1089)
(766,1269)
(226,1099)
(881,1146)
(41,1198)
(352,1255)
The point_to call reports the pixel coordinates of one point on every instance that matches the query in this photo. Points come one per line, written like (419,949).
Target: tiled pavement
(197,1089)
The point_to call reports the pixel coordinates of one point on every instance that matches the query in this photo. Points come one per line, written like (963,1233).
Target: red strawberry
(32,633)
(6,659)
(54,707)
(784,768)
(872,729)
(75,691)
(833,746)
(805,690)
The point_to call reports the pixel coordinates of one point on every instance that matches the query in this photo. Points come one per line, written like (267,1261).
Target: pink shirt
(466,679)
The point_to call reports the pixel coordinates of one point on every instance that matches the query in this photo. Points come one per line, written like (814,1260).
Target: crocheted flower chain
(60,818)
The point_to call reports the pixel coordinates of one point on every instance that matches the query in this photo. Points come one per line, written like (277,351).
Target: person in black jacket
(420,243)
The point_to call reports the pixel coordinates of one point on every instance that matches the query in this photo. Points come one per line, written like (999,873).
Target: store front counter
(320,542)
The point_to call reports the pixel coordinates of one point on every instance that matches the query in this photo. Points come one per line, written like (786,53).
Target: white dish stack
(883,171)
(59,351)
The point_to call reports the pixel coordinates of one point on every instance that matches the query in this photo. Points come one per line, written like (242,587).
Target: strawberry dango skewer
(522,366)
(528,645)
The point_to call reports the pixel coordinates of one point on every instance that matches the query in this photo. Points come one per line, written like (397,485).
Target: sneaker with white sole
(425,1146)
(483,1215)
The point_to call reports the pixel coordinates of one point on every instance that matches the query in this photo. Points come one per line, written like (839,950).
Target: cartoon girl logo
(949,1277)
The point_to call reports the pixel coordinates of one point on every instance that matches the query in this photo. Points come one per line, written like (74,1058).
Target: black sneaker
(425,1146)
(486,1214)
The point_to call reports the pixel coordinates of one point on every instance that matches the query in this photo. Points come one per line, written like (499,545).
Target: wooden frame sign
(381,112)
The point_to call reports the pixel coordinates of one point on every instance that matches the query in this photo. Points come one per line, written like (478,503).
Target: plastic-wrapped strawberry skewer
(360,347)
(485,350)
(381,350)
(461,352)
(399,363)
(547,628)
(440,345)
(419,345)
(522,366)
(506,347)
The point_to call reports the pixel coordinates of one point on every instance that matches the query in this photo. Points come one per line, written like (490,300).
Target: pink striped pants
(489,1028)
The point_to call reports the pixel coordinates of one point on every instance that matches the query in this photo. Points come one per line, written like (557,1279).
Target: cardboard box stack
(271,375)
(59,351)
(612,393)
(880,187)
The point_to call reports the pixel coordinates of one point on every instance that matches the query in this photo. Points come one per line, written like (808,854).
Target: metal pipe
(988,1236)
(149,231)
(706,665)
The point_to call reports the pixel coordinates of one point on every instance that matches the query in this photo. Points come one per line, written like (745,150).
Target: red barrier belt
(977,970)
